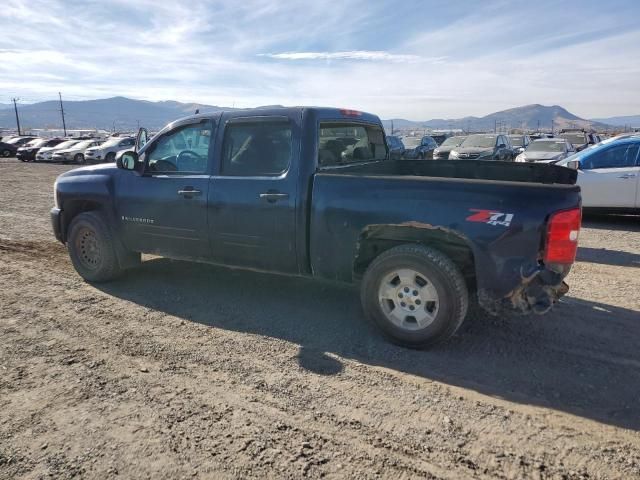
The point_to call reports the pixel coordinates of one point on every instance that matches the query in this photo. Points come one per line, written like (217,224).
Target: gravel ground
(183,370)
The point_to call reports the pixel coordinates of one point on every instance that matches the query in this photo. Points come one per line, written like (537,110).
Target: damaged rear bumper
(537,293)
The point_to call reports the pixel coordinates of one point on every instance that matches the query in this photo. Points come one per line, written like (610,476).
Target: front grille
(468,155)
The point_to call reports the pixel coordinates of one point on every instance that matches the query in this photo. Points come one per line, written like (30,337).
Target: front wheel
(111,157)
(91,248)
(79,158)
(415,295)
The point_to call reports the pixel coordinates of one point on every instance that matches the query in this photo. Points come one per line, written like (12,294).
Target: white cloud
(350,55)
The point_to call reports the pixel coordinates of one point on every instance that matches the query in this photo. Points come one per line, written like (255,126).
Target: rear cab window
(344,143)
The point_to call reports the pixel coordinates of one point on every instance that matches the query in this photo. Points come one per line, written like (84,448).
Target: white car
(609,175)
(74,153)
(107,151)
(46,154)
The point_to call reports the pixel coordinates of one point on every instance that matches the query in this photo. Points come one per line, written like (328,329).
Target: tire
(439,308)
(110,157)
(91,248)
(78,158)
(6,153)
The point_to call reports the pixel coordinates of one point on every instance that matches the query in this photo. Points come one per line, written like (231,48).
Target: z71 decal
(490,217)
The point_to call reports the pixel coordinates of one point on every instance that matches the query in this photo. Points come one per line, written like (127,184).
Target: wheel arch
(377,239)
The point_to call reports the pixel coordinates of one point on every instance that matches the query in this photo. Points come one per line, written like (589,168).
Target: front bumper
(56,223)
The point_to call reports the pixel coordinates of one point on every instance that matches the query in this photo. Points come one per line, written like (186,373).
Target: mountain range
(121,113)
(632,121)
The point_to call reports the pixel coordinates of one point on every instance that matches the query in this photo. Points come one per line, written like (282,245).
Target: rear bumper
(537,293)
(56,224)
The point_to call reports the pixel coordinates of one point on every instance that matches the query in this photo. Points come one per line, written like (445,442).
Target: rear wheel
(415,295)
(91,248)
(6,152)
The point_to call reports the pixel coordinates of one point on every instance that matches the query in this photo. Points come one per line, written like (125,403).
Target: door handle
(189,192)
(628,175)
(273,197)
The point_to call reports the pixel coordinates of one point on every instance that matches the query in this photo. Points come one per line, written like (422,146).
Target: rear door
(164,210)
(609,177)
(253,193)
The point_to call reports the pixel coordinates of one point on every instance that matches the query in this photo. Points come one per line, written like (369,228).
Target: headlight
(453,155)
(436,151)
(521,158)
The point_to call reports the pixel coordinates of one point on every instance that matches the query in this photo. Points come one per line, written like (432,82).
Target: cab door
(609,177)
(164,209)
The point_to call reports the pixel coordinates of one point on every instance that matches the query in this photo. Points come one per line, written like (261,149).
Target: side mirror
(141,138)
(127,160)
(573,164)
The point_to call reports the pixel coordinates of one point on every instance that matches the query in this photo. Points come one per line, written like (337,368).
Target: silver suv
(106,152)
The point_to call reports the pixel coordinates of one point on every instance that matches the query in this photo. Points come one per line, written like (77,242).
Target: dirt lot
(182,370)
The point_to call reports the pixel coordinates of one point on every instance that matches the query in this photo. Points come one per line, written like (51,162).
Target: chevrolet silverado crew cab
(312,192)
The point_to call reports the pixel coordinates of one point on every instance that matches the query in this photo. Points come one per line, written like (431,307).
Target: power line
(64,125)
(15,107)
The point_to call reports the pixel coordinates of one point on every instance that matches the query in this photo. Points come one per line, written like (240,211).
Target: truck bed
(464,169)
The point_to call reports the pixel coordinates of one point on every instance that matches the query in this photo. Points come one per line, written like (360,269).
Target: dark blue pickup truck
(312,192)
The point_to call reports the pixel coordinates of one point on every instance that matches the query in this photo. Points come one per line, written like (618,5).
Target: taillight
(562,236)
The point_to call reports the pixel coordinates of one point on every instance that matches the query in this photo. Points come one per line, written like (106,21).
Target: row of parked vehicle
(77,150)
(491,146)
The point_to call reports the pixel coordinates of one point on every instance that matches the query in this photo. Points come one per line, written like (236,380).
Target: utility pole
(495,125)
(64,125)
(391,127)
(15,107)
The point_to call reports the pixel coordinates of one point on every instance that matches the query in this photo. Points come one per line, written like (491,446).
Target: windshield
(36,143)
(543,146)
(452,141)
(66,144)
(411,142)
(575,138)
(13,141)
(112,142)
(484,141)
(517,140)
(84,144)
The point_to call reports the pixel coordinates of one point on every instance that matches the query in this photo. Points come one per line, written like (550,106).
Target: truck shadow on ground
(608,257)
(582,358)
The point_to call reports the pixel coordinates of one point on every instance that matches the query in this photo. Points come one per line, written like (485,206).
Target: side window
(128,142)
(619,156)
(185,149)
(344,143)
(256,149)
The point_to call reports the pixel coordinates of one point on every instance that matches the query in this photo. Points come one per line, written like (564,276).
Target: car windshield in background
(452,142)
(37,142)
(411,142)
(575,139)
(13,141)
(83,144)
(484,141)
(546,146)
(112,142)
(66,144)
(517,140)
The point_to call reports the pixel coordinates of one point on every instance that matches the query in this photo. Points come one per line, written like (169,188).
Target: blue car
(419,148)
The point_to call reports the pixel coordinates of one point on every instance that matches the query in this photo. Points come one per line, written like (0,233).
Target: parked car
(45,154)
(10,147)
(547,150)
(29,151)
(107,151)
(519,142)
(578,138)
(255,191)
(417,148)
(442,152)
(439,138)
(482,146)
(75,152)
(396,147)
(609,175)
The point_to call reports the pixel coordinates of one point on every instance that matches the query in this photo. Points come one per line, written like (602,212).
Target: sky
(399,59)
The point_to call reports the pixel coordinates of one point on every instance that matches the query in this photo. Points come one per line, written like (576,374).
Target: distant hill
(126,114)
(632,121)
(5,105)
(528,117)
